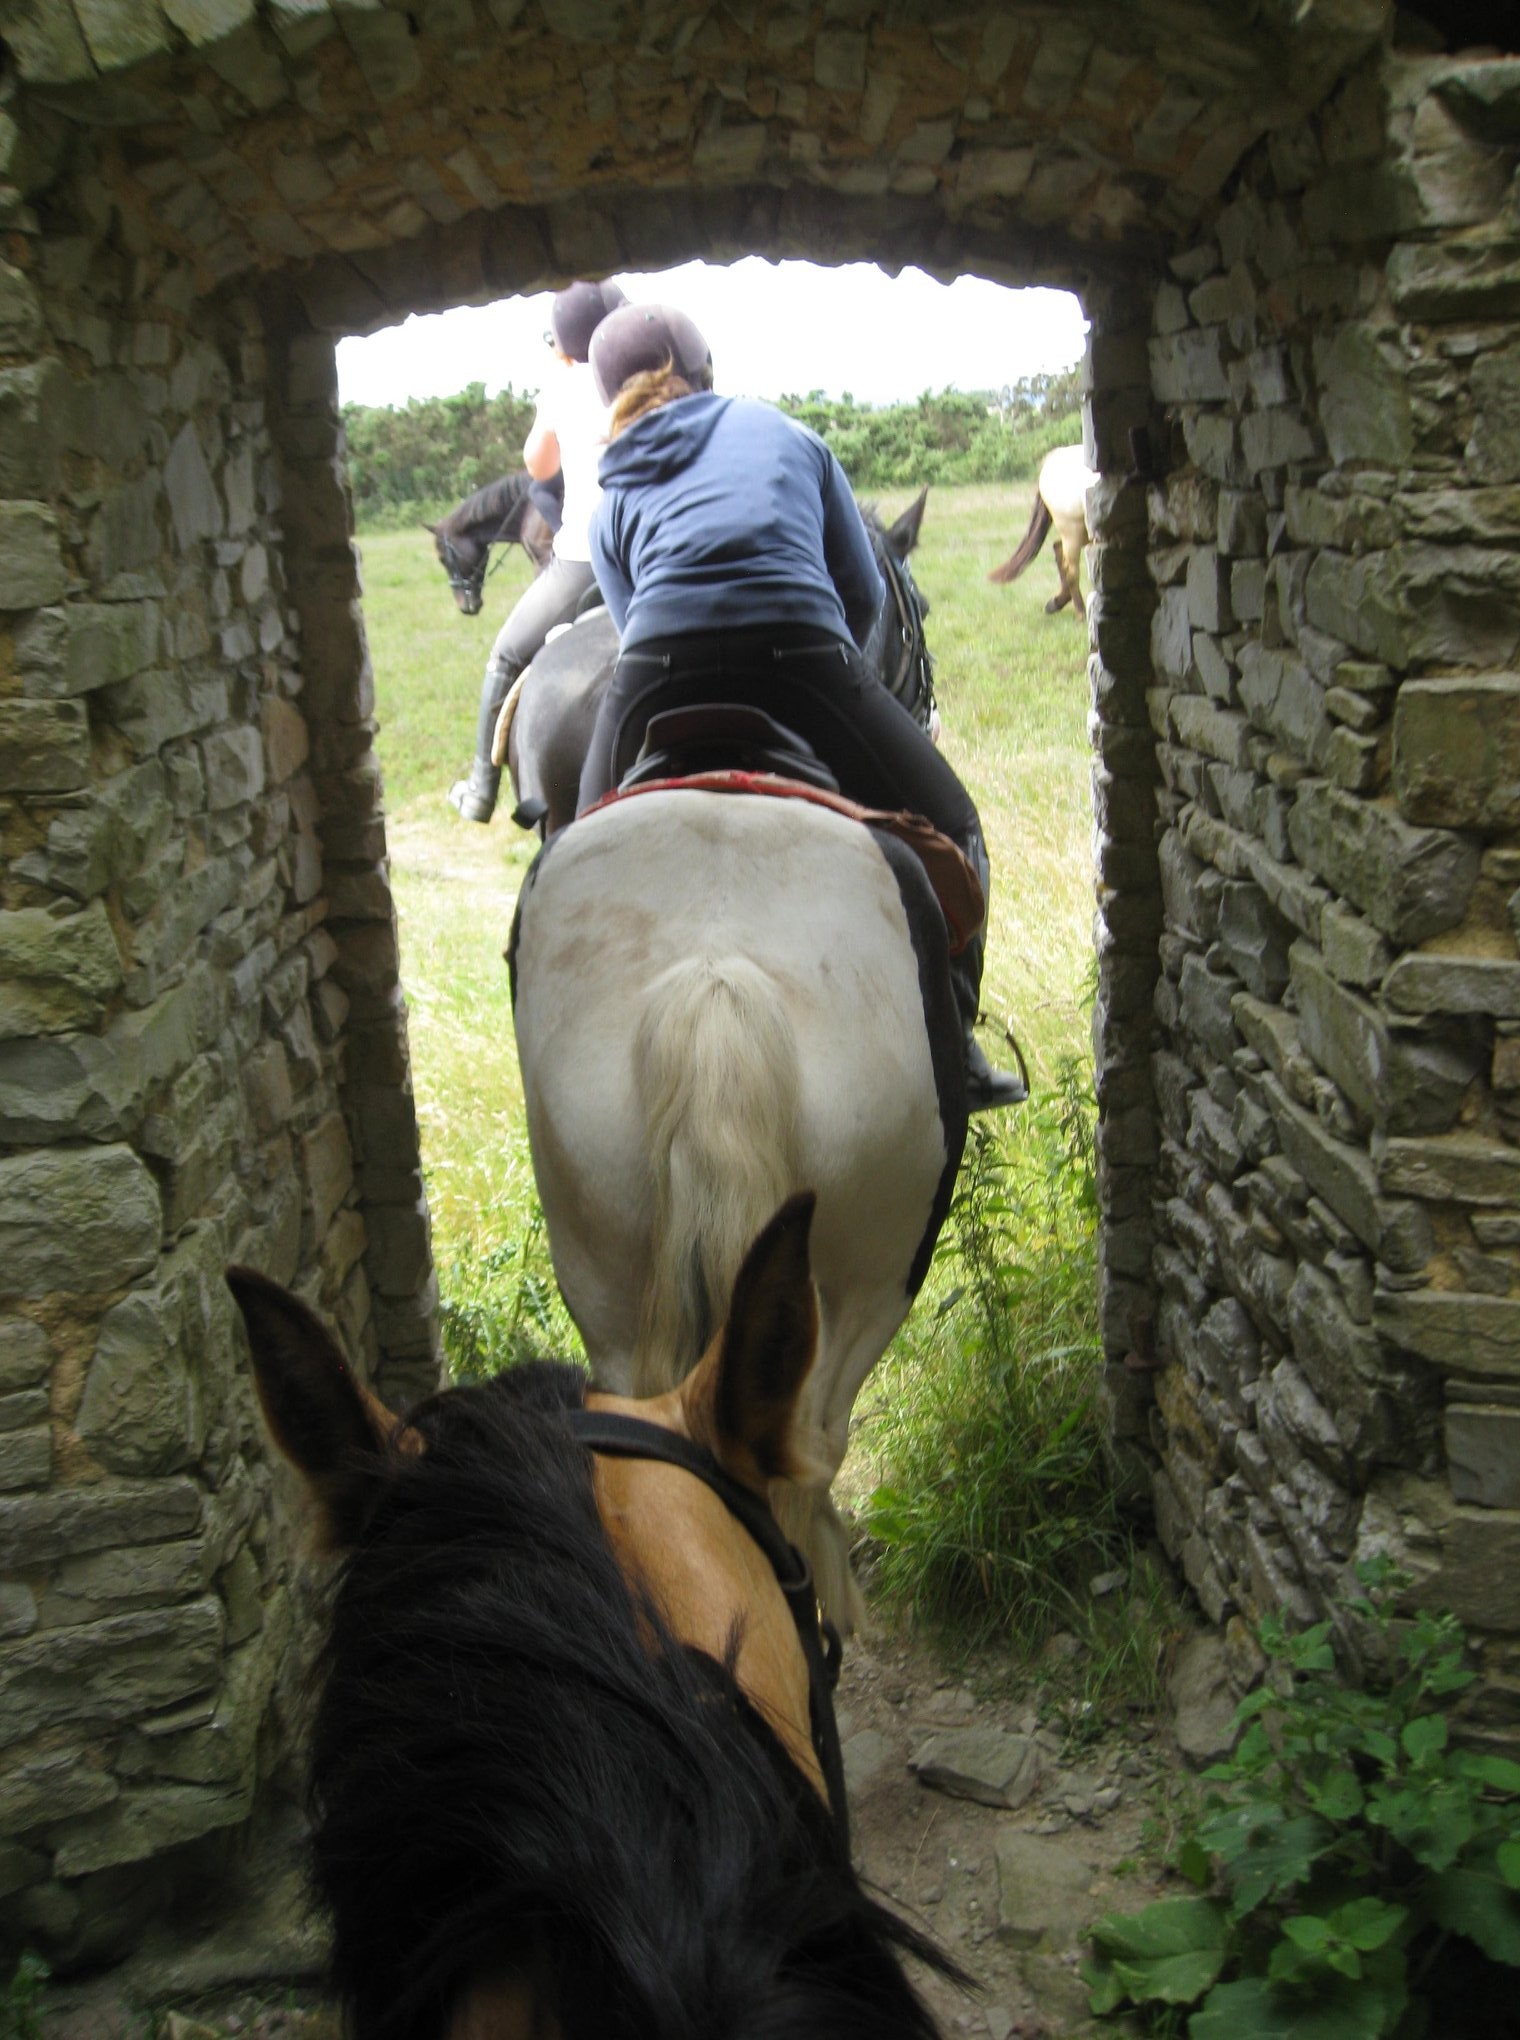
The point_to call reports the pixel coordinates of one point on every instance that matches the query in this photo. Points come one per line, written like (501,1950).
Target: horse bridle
(913,680)
(462,579)
(632,1438)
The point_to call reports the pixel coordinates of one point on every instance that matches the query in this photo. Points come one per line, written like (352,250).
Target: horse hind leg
(1060,601)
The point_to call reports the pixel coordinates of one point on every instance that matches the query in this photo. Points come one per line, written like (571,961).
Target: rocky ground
(977,1813)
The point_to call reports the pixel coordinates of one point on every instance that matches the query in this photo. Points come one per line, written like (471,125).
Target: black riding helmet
(638,338)
(577,312)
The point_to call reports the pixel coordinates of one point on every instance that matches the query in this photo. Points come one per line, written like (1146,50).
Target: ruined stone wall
(1333,542)
(198,1011)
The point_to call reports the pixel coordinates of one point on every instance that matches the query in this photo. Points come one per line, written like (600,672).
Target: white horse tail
(718,1082)
(1029,544)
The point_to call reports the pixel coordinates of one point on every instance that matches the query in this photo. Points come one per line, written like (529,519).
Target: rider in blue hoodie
(730,551)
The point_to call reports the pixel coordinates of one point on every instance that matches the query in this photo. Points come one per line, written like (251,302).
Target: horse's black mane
(516,1768)
(485,516)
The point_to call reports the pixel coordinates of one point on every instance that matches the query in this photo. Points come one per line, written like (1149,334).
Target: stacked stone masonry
(1299,246)
(1333,1285)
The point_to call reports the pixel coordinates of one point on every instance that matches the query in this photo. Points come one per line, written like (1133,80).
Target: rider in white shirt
(567,438)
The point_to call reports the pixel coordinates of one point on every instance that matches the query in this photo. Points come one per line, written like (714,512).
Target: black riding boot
(986,1088)
(475,796)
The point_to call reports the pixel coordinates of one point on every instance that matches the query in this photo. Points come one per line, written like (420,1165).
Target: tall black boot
(475,796)
(986,1088)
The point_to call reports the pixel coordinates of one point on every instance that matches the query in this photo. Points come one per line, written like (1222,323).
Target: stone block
(1171,635)
(147,1821)
(56,1786)
(44,746)
(1410,882)
(86,645)
(32,569)
(1398,1081)
(1483,1454)
(1455,1330)
(195,505)
(1456,751)
(1364,398)
(1242,528)
(1279,437)
(1352,948)
(112,1671)
(1397,1230)
(1348,1368)
(26,1458)
(1253,940)
(1281,696)
(1434,983)
(233,761)
(1464,1168)
(327,1168)
(76,1220)
(113,1582)
(57,971)
(1188,367)
(1493,452)
(140,1412)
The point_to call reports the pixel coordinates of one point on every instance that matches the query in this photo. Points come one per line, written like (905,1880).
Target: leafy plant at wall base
(21,2006)
(1362,1870)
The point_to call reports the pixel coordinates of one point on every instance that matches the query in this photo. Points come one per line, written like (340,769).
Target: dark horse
(564,1778)
(514,510)
(549,715)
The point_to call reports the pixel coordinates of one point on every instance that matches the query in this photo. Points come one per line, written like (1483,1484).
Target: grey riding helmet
(638,338)
(577,312)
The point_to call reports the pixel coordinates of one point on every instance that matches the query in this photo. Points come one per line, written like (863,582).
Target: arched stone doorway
(1297,240)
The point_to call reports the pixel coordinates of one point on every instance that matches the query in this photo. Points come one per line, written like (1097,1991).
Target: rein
(913,680)
(633,1438)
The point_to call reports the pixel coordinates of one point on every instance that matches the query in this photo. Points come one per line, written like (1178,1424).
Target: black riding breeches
(815,684)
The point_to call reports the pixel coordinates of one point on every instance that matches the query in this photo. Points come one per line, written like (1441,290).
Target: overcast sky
(775,329)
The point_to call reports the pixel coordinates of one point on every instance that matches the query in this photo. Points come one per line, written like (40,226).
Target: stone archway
(1297,241)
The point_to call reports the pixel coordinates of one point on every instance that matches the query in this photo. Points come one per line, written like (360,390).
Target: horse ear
(763,1354)
(327,1424)
(904,533)
(430,529)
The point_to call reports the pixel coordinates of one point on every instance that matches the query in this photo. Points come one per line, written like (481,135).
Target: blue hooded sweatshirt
(720,513)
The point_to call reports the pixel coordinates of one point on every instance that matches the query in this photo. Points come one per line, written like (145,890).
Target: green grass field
(993,1371)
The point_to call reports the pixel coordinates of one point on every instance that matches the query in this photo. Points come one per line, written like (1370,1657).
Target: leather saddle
(724,747)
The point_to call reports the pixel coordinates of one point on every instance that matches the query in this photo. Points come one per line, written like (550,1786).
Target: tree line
(418,459)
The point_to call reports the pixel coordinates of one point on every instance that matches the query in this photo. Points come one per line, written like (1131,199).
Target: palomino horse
(546,721)
(721,998)
(1060,498)
(564,1774)
(514,510)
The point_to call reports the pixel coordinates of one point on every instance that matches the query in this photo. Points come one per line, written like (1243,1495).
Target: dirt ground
(1006,1891)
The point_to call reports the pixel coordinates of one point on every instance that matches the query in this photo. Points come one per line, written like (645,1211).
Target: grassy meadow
(1011,1298)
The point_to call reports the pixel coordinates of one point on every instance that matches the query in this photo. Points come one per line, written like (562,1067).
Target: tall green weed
(993,1508)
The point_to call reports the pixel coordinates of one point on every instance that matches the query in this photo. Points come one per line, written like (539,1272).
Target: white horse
(721,999)
(1060,499)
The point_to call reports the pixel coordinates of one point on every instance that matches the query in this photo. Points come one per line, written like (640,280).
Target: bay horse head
(464,560)
(565,1775)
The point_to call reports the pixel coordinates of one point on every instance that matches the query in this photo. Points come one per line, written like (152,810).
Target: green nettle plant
(1359,1875)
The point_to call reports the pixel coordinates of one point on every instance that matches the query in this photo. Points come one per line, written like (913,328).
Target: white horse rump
(719,1000)
(1060,498)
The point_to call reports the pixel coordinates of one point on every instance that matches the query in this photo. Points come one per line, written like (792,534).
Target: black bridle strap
(632,1438)
(910,628)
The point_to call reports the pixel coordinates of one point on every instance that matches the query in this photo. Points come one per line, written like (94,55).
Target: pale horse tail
(716,1073)
(1029,544)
